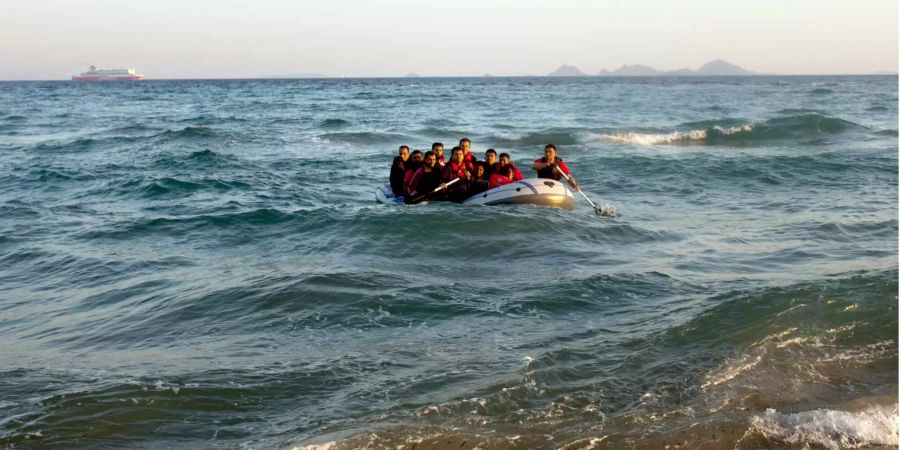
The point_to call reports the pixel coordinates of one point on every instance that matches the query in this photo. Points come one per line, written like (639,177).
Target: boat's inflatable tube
(533,191)
(385,195)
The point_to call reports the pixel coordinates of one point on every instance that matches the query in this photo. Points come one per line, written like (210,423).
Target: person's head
(438,149)
(465,144)
(404,152)
(550,152)
(479,169)
(430,159)
(490,156)
(504,159)
(417,156)
(506,171)
(457,154)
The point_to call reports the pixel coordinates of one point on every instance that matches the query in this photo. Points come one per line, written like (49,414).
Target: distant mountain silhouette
(566,71)
(635,70)
(712,68)
(680,73)
(412,75)
(720,67)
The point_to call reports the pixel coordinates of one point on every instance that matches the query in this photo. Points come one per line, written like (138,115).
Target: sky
(54,39)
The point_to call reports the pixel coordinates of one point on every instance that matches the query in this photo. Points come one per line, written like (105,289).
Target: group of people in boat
(418,175)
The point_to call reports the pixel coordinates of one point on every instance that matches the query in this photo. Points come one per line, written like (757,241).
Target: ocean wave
(443,133)
(364,137)
(133,128)
(333,123)
(795,127)
(558,137)
(180,226)
(83,144)
(820,91)
(195,160)
(169,187)
(796,111)
(690,137)
(197,133)
(441,122)
(58,174)
(874,426)
(203,120)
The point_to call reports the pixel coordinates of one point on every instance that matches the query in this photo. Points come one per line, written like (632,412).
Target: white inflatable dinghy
(533,191)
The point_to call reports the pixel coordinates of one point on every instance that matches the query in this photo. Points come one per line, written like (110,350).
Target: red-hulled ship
(96,74)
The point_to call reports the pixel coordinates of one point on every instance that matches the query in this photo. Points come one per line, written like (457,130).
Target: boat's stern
(533,191)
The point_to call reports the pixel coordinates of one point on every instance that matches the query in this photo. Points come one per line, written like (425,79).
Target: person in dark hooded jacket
(398,170)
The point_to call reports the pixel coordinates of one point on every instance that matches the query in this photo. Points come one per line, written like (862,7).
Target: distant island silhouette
(566,71)
(717,67)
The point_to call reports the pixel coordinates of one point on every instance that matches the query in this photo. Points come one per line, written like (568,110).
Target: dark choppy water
(202,264)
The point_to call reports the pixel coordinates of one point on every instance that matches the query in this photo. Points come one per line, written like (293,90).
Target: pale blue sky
(49,39)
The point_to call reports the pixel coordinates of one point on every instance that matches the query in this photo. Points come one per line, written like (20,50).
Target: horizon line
(339,77)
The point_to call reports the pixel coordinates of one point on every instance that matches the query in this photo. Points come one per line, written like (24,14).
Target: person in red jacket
(549,166)
(505,161)
(466,145)
(501,176)
(415,161)
(458,167)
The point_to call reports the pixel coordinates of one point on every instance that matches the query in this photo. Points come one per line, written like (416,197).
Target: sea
(202,264)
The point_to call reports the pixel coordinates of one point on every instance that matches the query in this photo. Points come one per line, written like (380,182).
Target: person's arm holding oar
(598,211)
(552,167)
(435,191)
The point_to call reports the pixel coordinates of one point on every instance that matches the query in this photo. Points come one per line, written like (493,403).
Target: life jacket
(548,172)
(441,161)
(470,158)
(497,180)
(517,174)
(453,170)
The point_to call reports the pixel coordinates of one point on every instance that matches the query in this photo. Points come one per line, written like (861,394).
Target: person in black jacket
(480,178)
(426,179)
(398,170)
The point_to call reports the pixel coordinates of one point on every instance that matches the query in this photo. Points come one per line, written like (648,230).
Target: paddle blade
(606,210)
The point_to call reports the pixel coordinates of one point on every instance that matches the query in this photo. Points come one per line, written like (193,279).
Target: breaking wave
(826,428)
(799,127)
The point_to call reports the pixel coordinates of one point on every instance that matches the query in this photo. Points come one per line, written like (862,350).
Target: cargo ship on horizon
(95,74)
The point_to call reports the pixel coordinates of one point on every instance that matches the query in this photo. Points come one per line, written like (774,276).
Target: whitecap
(832,429)
(675,137)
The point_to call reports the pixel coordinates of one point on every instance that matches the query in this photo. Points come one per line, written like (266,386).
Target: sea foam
(676,137)
(827,428)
